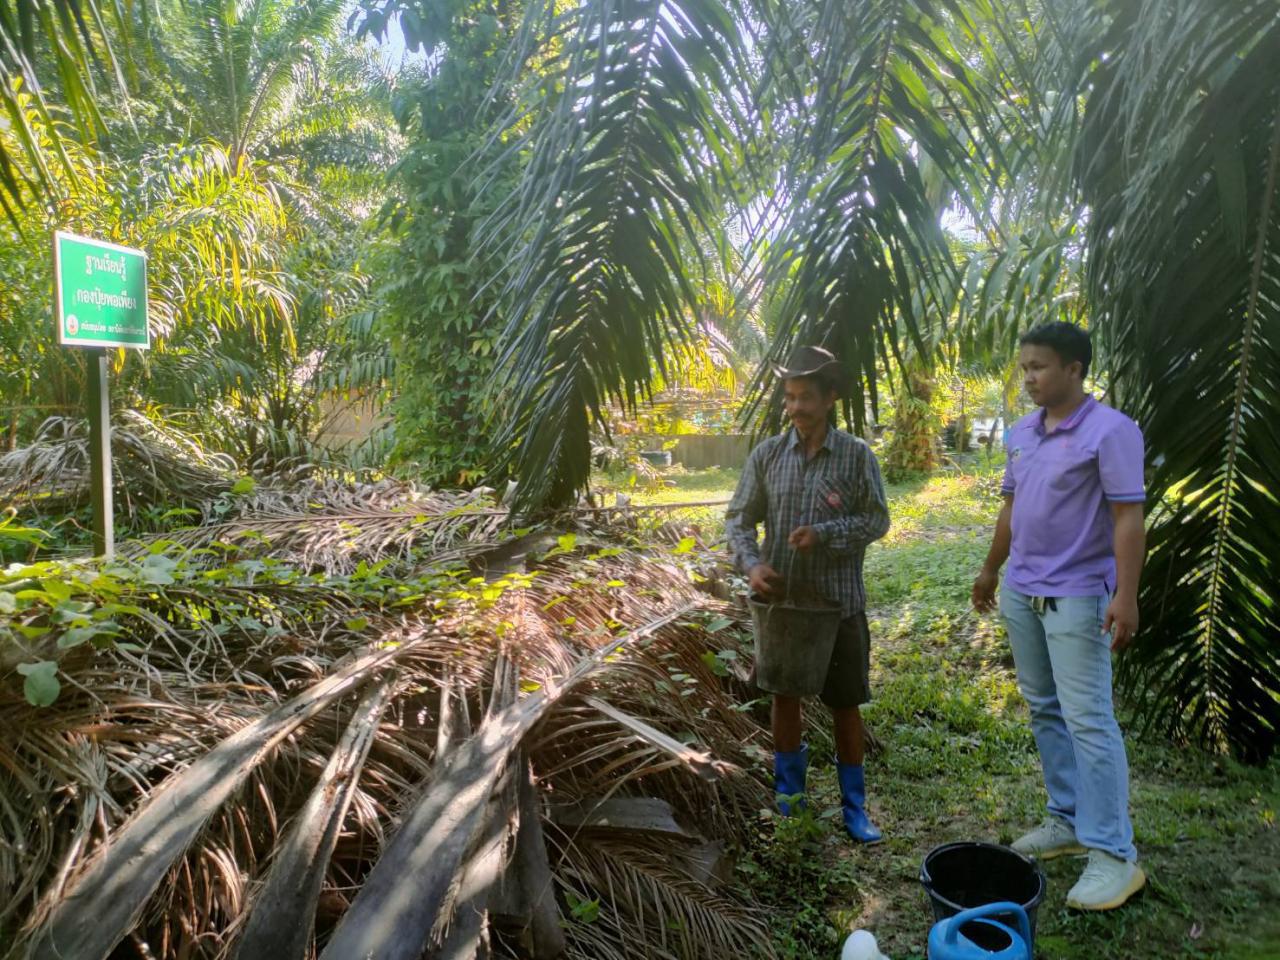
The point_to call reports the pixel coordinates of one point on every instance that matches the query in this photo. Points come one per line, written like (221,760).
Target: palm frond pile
(334,525)
(151,465)
(261,758)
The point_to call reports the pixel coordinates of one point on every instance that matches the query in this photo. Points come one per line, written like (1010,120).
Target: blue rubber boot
(788,777)
(853,797)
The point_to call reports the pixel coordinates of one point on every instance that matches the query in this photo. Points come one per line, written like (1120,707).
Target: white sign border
(59,328)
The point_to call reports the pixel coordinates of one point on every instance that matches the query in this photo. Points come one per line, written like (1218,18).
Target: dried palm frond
(151,464)
(403,898)
(75,776)
(280,920)
(640,886)
(331,525)
(100,907)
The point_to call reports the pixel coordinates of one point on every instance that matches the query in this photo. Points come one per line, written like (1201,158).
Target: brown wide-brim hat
(813,362)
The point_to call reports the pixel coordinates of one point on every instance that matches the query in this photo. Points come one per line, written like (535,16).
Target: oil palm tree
(1136,135)
(272,126)
(264,78)
(647,117)
(68,36)
(1180,164)
(863,122)
(278,83)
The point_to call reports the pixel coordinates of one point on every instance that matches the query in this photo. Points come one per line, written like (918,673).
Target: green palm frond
(1035,277)
(621,132)
(249,74)
(1180,162)
(73,35)
(889,124)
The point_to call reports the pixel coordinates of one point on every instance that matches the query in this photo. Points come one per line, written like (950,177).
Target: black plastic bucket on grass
(959,876)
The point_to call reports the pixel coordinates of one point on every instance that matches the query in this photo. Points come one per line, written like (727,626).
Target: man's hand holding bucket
(764,581)
(804,539)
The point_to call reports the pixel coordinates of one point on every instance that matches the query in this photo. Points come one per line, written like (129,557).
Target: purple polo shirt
(1062,484)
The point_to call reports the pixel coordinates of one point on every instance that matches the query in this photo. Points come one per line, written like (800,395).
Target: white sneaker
(1107,882)
(1052,838)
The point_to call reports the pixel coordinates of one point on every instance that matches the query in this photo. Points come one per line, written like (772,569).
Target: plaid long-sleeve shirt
(838,492)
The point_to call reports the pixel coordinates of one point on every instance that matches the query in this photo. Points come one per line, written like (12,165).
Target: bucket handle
(791,566)
(795,554)
(952,930)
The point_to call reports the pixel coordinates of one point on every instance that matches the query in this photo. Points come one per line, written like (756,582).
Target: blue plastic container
(976,935)
(961,876)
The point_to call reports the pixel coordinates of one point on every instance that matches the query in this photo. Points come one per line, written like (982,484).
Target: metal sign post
(100,301)
(100,453)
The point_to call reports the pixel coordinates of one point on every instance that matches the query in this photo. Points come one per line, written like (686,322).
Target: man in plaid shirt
(818,491)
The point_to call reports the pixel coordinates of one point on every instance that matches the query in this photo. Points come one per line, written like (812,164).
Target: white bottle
(861,945)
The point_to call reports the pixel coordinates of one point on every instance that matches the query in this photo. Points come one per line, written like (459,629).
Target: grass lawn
(959,763)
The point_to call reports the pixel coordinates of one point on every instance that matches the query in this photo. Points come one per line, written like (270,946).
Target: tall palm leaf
(883,101)
(632,132)
(1180,164)
(237,62)
(71,34)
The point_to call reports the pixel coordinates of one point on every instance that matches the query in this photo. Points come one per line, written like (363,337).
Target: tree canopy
(905,181)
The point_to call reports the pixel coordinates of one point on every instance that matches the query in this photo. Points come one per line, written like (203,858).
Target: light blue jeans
(1064,672)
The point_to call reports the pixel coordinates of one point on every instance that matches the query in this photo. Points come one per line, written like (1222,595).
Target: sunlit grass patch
(959,762)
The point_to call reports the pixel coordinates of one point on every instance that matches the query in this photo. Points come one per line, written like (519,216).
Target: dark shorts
(849,675)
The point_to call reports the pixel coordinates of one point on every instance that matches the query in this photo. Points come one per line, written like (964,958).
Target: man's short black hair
(1069,342)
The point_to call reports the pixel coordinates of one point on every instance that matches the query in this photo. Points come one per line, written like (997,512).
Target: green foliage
(245,156)
(212,231)
(53,609)
(235,70)
(435,283)
(581,909)
(13,534)
(629,160)
(900,102)
(944,698)
(790,874)
(567,195)
(70,36)
(1181,158)
(912,446)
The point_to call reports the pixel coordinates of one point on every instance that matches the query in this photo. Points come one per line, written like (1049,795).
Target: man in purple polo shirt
(1072,530)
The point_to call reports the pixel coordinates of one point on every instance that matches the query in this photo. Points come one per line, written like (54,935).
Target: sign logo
(73,325)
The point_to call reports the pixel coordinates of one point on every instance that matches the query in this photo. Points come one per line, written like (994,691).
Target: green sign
(100,293)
